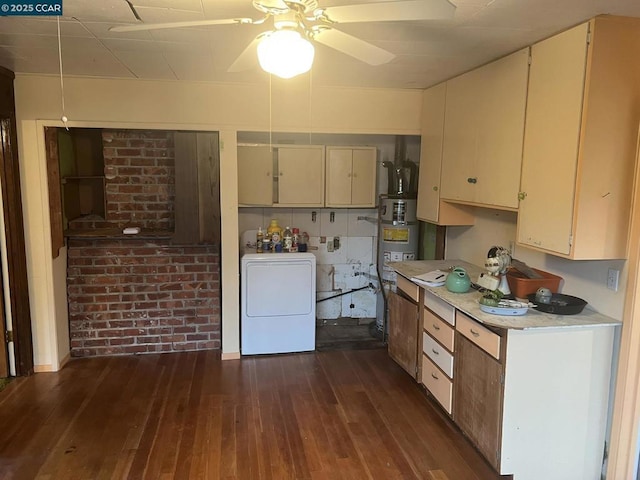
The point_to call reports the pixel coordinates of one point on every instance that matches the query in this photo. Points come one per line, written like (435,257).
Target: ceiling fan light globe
(285,53)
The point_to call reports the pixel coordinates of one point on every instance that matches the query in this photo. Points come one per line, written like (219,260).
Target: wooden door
(197,173)
(403,332)
(339,170)
(255,180)
(477,397)
(363,179)
(301,176)
(552,133)
(14,229)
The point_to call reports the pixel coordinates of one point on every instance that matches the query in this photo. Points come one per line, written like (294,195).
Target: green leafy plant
(491,298)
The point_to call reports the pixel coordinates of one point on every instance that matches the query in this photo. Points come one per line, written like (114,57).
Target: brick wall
(140,181)
(135,296)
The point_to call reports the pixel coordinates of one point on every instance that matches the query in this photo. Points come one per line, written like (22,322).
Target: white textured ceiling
(426,51)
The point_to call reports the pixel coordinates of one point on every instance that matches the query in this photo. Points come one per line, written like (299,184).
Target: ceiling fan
(297,23)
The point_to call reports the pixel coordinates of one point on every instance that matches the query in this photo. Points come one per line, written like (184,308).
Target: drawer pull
(474,333)
(434,376)
(435,351)
(436,327)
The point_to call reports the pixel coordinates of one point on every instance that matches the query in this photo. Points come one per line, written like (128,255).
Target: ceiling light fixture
(285,53)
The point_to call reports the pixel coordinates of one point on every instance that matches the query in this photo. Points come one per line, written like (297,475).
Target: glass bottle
(259,240)
(287,239)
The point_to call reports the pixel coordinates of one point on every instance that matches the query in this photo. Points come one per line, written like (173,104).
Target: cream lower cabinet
(351,177)
(583,110)
(429,206)
(533,402)
(438,319)
(483,132)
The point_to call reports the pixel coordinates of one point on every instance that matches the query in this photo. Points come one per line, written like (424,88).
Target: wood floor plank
(332,415)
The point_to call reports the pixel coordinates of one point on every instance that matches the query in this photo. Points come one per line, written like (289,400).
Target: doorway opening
(139,214)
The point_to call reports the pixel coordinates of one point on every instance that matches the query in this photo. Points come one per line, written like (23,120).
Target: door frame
(623,457)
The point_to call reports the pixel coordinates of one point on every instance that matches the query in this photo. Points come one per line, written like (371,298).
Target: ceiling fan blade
(195,23)
(248,59)
(353,46)
(392,11)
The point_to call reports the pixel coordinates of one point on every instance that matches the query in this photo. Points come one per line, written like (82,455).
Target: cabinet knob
(435,352)
(472,180)
(434,376)
(522,195)
(474,333)
(436,327)
(435,188)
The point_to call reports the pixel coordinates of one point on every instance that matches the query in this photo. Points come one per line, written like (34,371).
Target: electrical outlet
(613,276)
(336,243)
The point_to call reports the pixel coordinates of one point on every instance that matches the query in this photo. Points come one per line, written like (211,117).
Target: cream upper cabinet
(351,177)
(255,175)
(583,110)
(281,176)
(300,176)
(483,133)
(429,207)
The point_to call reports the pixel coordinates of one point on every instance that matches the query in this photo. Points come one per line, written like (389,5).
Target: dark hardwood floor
(346,414)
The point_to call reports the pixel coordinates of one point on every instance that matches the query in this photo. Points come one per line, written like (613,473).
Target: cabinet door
(403,332)
(301,176)
(477,398)
(433,101)
(339,170)
(501,115)
(484,128)
(460,137)
(363,179)
(554,111)
(255,182)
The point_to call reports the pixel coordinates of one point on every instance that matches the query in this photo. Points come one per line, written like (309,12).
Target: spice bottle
(287,239)
(295,239)
(259,240)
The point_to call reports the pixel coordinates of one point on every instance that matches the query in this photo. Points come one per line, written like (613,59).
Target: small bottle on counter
(274,232)
(295,239)
(287,239)
(259,240)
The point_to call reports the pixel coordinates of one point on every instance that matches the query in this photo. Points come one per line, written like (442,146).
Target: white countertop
(468,302)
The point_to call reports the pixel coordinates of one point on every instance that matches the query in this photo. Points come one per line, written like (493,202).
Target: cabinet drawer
(441,308)
(438,354)
(437,383)
(408,287)
(438,329)
(481,336)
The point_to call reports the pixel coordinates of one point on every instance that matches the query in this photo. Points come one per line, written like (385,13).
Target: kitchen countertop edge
(468,302)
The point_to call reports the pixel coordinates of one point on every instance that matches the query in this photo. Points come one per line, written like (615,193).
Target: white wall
(584,279)
(117,103)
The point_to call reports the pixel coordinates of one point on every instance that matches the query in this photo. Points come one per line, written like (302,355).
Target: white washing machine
(278,303)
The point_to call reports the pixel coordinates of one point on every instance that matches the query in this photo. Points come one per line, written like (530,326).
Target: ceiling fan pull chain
(64,117)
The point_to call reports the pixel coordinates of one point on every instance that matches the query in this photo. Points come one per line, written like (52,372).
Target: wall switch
(330,246)
(613,276)
(336,243)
